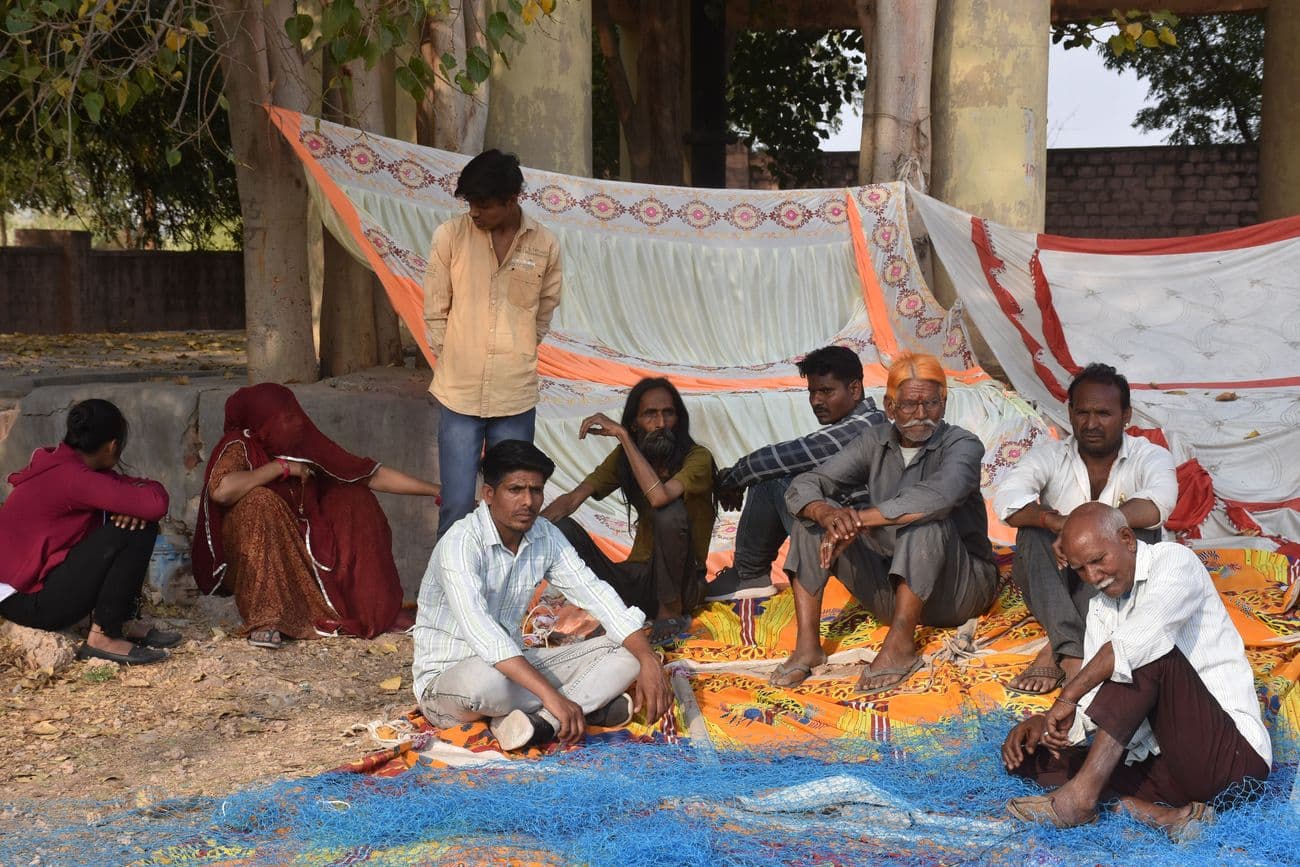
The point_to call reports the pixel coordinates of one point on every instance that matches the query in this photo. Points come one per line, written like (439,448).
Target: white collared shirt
(475,594)
(1173,603)
(1054,475)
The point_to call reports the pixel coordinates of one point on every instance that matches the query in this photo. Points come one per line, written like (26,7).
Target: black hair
(94,422)
(1102,374)
(837,361)
(682,442)
(509,456)
(492,175)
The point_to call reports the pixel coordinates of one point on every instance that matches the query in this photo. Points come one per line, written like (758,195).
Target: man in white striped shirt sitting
(1165,687)
(470,662)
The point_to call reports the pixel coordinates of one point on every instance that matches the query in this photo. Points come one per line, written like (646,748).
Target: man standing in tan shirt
(492,286)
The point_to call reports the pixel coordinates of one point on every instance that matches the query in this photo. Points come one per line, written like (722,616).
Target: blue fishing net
(930,796)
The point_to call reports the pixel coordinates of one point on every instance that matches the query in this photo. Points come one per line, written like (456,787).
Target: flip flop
(787,668)
(1189,829)
(899,675)
(666,630)
(268,638)
(1041,810)
(1052,671)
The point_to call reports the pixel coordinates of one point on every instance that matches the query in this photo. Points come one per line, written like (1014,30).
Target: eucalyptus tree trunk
(261,64)
(358,327)
(449,118)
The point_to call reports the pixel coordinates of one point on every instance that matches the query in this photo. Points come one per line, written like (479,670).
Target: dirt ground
(173,351)
(217,716)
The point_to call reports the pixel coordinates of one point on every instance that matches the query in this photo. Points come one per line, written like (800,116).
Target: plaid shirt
(790,458)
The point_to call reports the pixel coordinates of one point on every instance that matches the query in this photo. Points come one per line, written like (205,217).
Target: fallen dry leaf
(44,727)
(393,684)
(387,647)
(137,682)
(1224,397)
(1251,435)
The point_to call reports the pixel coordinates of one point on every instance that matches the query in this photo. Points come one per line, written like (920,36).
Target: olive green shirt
(696,476)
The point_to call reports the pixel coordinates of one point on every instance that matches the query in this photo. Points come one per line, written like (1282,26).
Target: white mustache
(921,422)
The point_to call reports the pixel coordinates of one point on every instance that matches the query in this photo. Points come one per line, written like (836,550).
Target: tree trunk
(259,65)
(358,328)
(867,143)
(449,118)
(652,118)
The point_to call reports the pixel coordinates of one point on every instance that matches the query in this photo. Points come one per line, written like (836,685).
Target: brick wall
(55,283)
(1150,192)
(1142,192)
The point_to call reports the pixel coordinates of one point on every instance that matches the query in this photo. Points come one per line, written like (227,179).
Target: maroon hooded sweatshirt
(56,502)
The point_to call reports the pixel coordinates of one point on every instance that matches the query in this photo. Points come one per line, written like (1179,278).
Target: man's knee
(930,536)
(622,666)
(463,698)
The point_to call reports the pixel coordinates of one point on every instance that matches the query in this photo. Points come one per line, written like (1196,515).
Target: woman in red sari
(288,523)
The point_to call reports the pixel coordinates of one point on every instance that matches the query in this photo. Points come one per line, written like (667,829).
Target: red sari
(305,557)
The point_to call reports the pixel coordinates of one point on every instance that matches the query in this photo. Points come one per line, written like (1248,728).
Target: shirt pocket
(524,289)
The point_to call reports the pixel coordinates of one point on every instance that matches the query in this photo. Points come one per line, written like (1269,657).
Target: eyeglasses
(913,405)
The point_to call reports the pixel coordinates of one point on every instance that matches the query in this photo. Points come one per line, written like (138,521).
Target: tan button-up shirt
(484,319)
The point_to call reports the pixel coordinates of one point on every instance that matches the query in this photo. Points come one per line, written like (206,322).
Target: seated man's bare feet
(893,665)
(1042,675)
(1072,808)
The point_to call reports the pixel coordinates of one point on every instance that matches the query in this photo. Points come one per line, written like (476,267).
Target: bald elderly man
(1165,690)
(919,554)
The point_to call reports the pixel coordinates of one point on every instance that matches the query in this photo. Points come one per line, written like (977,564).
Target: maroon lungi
(1201,751)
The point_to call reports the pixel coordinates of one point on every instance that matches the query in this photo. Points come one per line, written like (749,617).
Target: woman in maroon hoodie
(76,537)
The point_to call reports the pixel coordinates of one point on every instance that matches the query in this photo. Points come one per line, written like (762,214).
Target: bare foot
(1155,815)
(1041,676)
(1072,808)
(100,641)
(892,664)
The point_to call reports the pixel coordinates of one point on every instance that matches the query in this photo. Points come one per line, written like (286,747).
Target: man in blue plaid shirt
(834,375)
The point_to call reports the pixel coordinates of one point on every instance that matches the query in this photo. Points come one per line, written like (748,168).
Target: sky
(1088,105)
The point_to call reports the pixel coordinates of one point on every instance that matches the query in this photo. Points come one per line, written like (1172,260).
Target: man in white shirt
(1165,687)
(1098,463)
(469,658)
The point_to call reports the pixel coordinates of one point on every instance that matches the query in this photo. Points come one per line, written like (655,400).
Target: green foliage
(785,91)
(1134,29)
(88,127)
(1211,89)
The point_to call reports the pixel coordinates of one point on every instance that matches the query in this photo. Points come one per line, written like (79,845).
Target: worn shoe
(727,585)
(139,655)
(518,729)
(158,638)
(616,713)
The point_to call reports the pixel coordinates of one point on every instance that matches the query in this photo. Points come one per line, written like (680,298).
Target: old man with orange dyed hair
(919,555)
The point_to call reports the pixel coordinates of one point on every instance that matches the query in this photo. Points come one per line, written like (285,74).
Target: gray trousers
(930,558)
(1058,598)
(590,673)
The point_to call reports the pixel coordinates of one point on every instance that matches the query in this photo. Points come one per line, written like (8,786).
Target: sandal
(666,629)
(268,638)
(1189,829)
(158,638)
(1041,810)
(1053,671)
(898,676)
(801,670)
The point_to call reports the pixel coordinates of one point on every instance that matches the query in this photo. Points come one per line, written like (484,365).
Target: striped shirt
(1173,603)
(792,457)
(475,594)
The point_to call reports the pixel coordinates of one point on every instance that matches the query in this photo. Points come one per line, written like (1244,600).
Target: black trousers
(102,574)
(672,575)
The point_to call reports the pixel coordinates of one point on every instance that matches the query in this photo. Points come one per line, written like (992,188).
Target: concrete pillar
(540,107)
(989,98)
(1279,155)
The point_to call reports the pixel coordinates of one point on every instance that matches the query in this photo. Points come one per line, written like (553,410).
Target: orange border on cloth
(1216,242)
(872,295)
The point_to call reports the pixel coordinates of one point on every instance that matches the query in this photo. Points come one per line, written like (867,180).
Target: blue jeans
(461,440)
(764,526)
